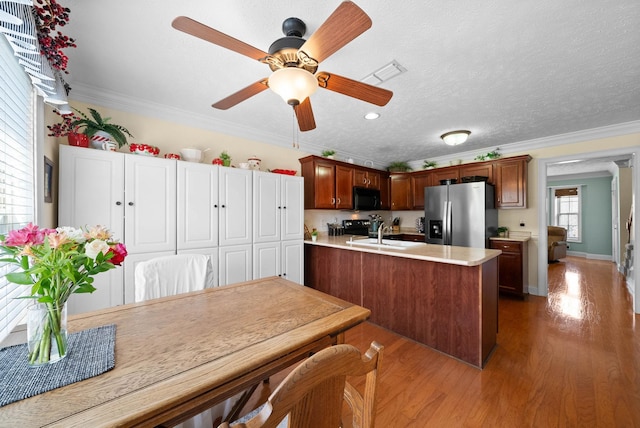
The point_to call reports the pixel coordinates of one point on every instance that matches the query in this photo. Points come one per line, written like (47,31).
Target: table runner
(91,352)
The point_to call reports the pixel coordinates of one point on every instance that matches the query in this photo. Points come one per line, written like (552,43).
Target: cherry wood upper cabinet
(484,169)
(328,184)
(450,173)
(401,194)
(344,187)
(366,178)
(419,181)
(319,183)
(510,179)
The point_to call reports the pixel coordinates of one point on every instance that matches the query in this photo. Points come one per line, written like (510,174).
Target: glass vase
(47,333)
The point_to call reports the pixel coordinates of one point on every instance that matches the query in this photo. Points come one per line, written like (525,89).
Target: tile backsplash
(319,218)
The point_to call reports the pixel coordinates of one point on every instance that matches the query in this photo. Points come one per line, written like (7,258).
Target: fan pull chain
(295,135)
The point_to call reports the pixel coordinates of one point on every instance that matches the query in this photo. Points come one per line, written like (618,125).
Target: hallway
(570,361)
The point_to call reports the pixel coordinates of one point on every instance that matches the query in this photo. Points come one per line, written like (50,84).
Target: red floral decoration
(63,128)
(49,15)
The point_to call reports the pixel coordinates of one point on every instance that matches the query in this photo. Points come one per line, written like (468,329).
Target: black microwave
(365,199)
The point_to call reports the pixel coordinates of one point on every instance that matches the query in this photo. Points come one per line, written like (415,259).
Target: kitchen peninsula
(443,296)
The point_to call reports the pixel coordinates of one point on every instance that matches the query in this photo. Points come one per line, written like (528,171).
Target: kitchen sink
(386,243)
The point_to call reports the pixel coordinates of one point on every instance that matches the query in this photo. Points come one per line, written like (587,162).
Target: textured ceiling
(508,71)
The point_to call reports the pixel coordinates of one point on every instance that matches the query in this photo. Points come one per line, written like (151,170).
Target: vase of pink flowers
(55,263)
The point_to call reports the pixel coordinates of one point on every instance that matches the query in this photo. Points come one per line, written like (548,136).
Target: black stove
(356,227)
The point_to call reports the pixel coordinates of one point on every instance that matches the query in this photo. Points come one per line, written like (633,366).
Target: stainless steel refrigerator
(460,214)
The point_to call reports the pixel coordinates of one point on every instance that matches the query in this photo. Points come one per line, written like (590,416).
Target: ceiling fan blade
(346,23)
(353,88)
(241,95)
(304,113)
(203,32)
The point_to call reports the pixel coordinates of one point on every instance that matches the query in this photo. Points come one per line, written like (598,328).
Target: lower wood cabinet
(513,269)
(451,308)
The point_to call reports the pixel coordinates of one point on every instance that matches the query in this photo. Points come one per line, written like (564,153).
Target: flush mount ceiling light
(454,138)
(293,84)
(371,116)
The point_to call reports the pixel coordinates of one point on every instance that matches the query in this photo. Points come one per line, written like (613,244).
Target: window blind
(16,173)
(573,191)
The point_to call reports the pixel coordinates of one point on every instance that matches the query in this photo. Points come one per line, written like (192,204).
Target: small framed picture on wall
(48,180)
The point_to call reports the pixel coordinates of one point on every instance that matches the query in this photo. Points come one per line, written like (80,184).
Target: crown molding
(554,140)
(121,102)
(118,101)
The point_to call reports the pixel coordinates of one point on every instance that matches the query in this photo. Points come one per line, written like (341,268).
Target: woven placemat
(91,352)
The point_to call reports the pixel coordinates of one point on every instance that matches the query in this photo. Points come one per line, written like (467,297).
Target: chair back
(170,275)
(312,394)
(556,233)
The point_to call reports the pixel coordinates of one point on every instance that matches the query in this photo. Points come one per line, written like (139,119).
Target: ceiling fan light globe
(454,138)
(293,84)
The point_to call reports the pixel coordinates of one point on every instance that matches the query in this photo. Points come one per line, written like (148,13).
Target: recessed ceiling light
(371,116)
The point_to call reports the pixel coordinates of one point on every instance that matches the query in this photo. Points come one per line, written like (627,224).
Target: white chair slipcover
(171,275)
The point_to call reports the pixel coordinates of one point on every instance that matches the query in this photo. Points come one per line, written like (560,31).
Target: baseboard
(606,257)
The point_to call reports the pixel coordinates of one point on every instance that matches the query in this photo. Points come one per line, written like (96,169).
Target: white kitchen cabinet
(267,259)
(134,196)
(267,207)
(234,264)
(278,202)
(91,189)
(235,206)
(150,208)
(91,192)
(281,258)
(197,209)
(292,217)
(293,260)
(278,226)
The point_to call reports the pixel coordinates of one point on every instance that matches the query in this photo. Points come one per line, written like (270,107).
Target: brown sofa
(557,241)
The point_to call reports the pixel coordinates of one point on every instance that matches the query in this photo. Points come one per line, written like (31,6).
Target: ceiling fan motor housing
(285,49)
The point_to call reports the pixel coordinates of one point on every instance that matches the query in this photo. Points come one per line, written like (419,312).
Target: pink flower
(30,234)
(98,232)
(119,252)
(56,240)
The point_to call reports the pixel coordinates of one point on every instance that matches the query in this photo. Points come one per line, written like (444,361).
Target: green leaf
(21,278)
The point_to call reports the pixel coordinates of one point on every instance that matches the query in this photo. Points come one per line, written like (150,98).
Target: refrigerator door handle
(447,223)
(450,221)
(445,227)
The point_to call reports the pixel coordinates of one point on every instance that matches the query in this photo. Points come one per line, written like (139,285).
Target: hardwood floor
(572,360)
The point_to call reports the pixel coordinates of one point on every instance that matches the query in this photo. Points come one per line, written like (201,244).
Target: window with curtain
(567,207)
(17,171)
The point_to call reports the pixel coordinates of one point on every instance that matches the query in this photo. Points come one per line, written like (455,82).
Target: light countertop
(430,252)
(514,236)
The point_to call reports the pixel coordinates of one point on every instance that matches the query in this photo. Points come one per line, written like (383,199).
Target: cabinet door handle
(118,203)
(333,201)
(223,206)
(215,205)
(338,201)
(279,208)
(130,204)
(284,208)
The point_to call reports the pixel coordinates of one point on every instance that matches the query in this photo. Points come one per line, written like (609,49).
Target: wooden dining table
(179,355)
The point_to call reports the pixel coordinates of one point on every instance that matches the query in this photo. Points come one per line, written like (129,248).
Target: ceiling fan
(294,61)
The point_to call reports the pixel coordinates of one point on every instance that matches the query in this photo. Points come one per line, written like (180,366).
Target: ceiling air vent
(384,73)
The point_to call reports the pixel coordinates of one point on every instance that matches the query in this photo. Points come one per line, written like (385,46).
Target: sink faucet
(380,233)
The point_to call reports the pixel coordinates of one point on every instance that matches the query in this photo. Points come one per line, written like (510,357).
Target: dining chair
(175,274)
(171,275)
(312,395)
